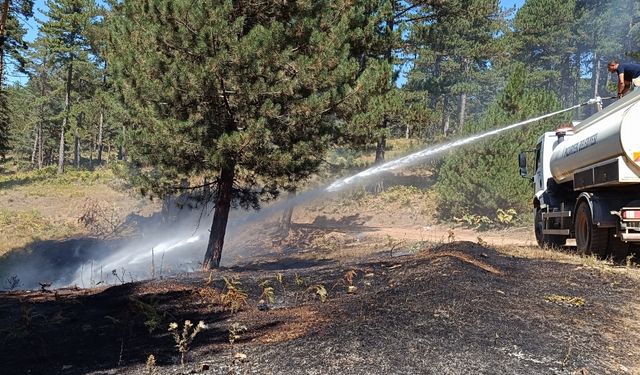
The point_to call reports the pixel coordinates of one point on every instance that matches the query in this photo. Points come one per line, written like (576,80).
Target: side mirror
(522,161)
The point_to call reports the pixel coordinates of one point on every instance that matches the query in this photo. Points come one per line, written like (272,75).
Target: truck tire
(546,240)
(589,238)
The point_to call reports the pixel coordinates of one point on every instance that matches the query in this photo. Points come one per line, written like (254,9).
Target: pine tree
(238,93)
(454,47)
(63,34)
(482,178)
(544,38)
(12,47)
(12,32)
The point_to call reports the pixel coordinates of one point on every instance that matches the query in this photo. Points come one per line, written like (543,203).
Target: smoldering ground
(176,245)
(163,245)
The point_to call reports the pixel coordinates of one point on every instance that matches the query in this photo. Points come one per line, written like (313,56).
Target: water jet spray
(139,253)
(425,154)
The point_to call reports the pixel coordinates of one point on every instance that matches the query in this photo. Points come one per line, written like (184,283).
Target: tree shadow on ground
(60,261)
(75,332)
(16,182)
(350,223)
(48,261)
(275,262)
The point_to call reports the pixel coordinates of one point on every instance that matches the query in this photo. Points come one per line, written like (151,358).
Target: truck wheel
(589,238)
(546,240)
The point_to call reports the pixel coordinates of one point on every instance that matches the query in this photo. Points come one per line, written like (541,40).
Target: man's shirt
(630,71)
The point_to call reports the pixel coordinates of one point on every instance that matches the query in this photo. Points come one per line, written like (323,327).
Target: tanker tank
(603,150)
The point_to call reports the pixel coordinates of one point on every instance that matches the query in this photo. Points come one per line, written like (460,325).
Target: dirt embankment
(458,308)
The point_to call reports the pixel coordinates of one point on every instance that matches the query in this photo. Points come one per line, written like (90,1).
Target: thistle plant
(234,296)
(151,365)
(235,330)
(185,338)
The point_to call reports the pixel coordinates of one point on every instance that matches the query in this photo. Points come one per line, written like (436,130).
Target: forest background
(238,102)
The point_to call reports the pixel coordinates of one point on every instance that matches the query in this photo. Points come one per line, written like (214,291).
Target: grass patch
(566,256)
(19,228)
(48,177)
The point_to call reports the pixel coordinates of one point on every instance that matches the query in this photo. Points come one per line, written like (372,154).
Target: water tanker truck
(587,182)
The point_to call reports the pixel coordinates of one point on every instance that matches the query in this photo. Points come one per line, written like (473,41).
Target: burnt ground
(457,308)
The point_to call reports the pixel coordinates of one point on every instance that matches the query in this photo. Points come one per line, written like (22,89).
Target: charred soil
(456,308)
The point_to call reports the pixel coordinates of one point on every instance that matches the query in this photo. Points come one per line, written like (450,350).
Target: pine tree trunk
(91,149)
(65,120)
(76,138)
(380,149)
(220,218)
(285,223)
(40,146)
(100,144)
(462,108)
(462,103)
(61,148)
(378,187)
(436,71)
(34,152)
(445,115)
(3,36)
(76,149)
(121,150)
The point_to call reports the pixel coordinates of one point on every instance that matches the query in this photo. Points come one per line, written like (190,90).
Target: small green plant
(506,217)
(153,317)
(234,296)
(280,280)
(474,221)
(267,292)
(320,291)
(235,331)
(185,338)
(299,280)
(279,277)
(630,261)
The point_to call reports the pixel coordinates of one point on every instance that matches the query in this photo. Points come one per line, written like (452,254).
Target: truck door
(538,178)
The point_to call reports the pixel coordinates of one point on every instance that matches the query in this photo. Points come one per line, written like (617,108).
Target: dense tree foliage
(12,49)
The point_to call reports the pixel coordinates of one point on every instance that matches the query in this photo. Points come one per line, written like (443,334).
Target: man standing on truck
(628,76)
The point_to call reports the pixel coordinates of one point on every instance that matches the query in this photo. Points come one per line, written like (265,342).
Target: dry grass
(296,322)
(466,258)
(568,257)
(19,228)
(398,204)
(41,205)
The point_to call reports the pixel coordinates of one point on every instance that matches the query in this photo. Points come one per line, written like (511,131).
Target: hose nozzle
(595,100)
